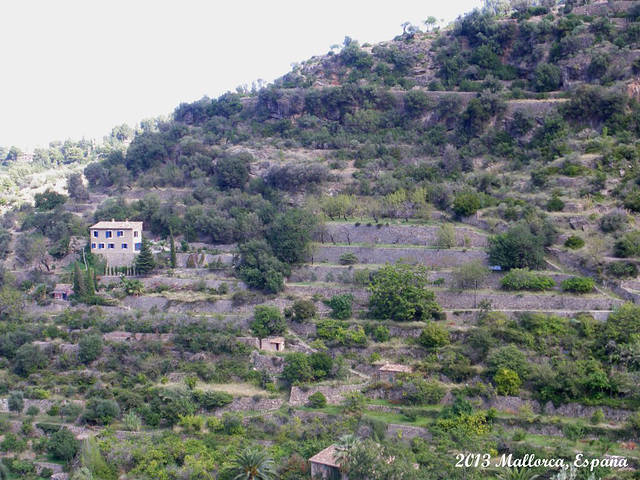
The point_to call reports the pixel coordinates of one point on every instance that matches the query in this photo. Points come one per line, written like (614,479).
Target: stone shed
(389,371)
(272,344)
(324,464)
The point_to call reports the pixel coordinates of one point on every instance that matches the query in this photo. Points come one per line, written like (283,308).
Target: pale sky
(76,68)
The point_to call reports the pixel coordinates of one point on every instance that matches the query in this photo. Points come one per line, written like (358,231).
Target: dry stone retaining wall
(334,395)
(467,300)
(427,256)
(245,404)
(399,235)
(270,363)
(407,432)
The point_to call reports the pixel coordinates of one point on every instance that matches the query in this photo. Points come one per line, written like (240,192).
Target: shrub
(211,400)
(381,334)
(446,236)
(628,245)
(417,391)
(297,368)
(89,348)
(632,201)
(622,269)
(574,242)
(613,221)
(399,292)
(317,400)
(507,382)
(523,279)
(508,357)
(555,204)
(518,247)
(303,310)
(101,411)
(348,258)
(468,203)
(434,335)
(597,417)
(63,445)
(578,285)
(354,403)
(268,320)
(341,306)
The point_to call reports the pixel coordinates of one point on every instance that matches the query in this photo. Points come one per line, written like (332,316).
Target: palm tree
(344,450)
(517,474)
(253,464)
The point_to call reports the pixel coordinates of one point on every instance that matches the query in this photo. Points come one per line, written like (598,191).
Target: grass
(234,389)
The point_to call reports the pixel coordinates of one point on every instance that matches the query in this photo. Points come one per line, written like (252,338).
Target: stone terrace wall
(269,363)
(428,257)
(334,396)
(398,235)
(407,432)
(466,300)
(249,404)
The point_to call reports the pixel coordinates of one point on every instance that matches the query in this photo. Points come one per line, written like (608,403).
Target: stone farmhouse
(324,465)
(389,371)
(117,242)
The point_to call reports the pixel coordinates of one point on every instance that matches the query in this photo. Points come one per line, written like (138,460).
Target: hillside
(430,244)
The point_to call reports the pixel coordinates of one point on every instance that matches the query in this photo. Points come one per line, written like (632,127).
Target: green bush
(622,269)
(555,204)
(632,201)
(434,335)
(399,292)
(628,246)
(574,242)
(341,306)
(578,285)
(523,279)
(467,203)
(268,320)
(348,258)
(518,247)
(317,400)
(613,221)
(303,310)
(417,391)
(63,445)
(507,382)
(211,400)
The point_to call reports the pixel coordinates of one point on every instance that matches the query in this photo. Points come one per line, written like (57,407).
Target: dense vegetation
(449,201)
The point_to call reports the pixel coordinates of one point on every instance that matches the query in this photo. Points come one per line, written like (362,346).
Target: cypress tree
(90,286)
(145,261)
(174,260)
(79,285)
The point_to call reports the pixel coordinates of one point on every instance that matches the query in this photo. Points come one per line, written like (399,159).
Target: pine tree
(79,284)
(145,261)
(174,260)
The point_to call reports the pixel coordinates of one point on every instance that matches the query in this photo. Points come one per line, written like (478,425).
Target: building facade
(117,242)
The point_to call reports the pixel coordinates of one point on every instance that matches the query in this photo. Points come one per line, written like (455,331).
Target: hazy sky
(74,68)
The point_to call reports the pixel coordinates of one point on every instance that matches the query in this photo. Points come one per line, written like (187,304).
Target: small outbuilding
(272,344)
(324,465)
(62,291)
(389,371)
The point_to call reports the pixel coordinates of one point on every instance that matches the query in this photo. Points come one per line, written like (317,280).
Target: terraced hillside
(426,248)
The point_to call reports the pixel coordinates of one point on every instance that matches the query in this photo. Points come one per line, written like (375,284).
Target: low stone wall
(137,337)
(334,395)
(399,235)
(576,410)
(175,284)
(426,256)
(269,363)
(407,432)
(249,404)
(450,300)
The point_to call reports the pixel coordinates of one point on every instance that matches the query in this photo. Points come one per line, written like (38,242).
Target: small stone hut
(62,291)
(272,344)
(389,371)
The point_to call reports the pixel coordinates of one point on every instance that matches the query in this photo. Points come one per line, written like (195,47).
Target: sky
(77,68)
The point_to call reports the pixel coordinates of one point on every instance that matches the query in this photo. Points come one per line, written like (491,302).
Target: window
(108,234)
(100,246)
(135,234)
(119,233)
(124,246)
(95,234)
(93,246)
(138,246)
(111,246)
